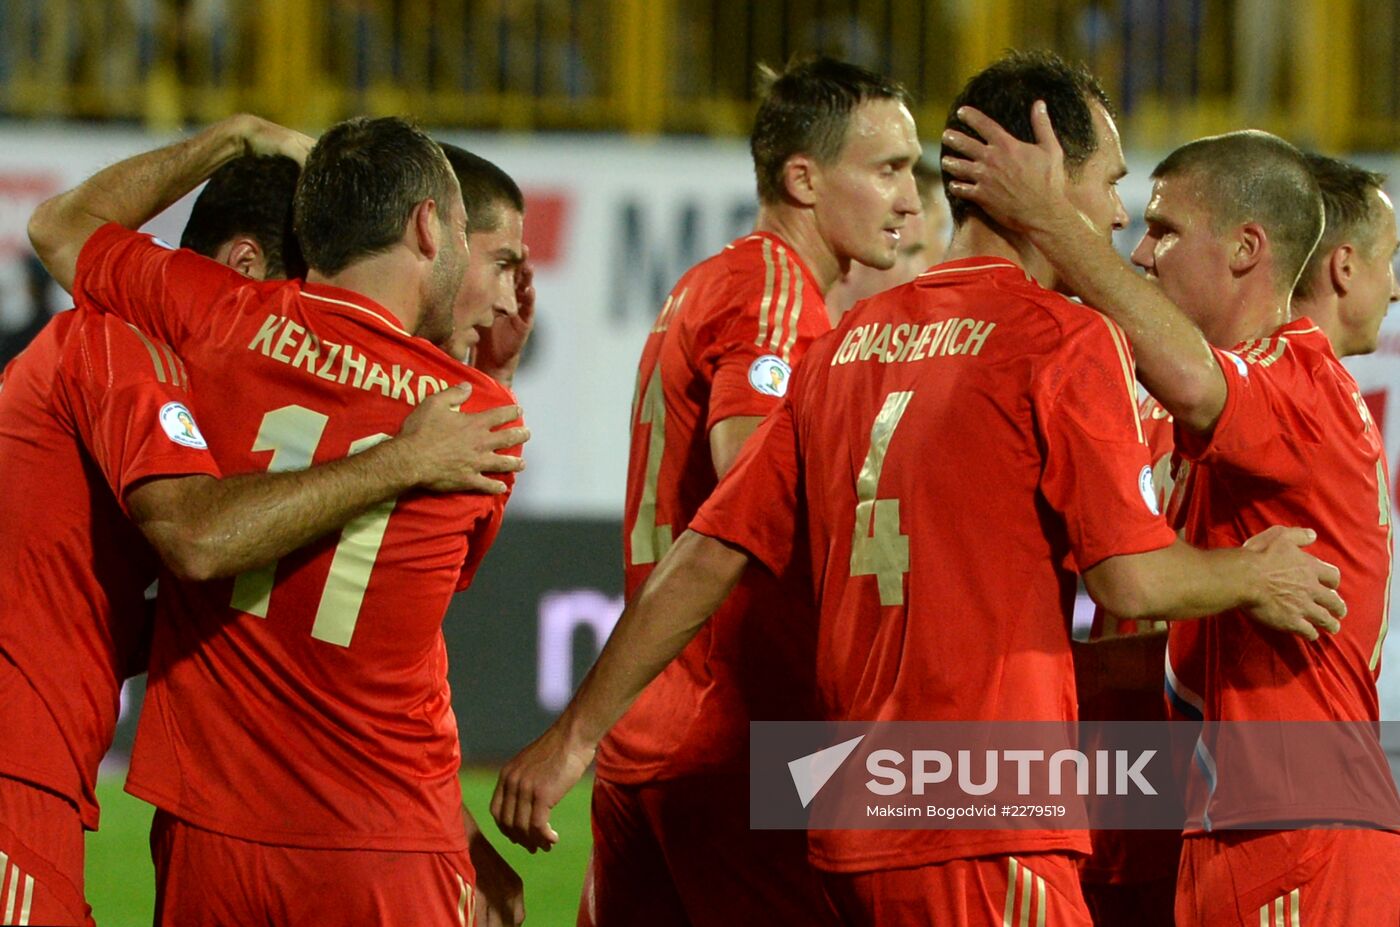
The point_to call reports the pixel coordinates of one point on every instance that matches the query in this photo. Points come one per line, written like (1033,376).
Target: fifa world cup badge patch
(180,427)
(769,375)
(1149,492)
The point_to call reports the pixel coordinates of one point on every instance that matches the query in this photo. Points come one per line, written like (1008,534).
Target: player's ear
(424,229)
(800,179)
(246,256)
(1250,246)
(1341,267)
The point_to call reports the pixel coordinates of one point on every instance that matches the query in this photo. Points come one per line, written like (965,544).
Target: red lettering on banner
(546,220)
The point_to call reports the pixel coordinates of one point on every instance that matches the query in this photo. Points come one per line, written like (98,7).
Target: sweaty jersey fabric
(305,703)
(949,457)
(723,345)
(87,411)
(1294,445)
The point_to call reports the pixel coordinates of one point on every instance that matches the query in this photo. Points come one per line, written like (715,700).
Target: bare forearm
(1174,361)
(247,521)
(669,610)
(1175,583)
(131,193)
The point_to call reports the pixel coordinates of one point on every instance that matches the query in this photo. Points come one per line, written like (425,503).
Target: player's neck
(798,228)
(379,278)
(1325,310)
(975,238)
(1257,312)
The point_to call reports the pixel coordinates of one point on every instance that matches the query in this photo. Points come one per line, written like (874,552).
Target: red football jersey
(723,346)
(90,409)
(305,703)
(950,456)
(1295,445)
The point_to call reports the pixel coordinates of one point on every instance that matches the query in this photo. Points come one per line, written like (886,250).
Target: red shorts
(1295,878)
(1034,890)
(681,852)
(209,879)
(41,858)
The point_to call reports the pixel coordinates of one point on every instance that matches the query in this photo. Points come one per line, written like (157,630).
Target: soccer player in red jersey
(971,425)
(298,736)
(1273,430)
(104,457)
(833,149)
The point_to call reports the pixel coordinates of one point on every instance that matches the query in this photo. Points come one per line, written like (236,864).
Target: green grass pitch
(120,889)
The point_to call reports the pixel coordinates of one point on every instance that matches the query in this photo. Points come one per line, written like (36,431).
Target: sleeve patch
(769,375)
(1239,363)
(1148,490)
(180,426)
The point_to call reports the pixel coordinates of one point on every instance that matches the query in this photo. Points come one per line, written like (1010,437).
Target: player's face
(867,193)
(488,288)
(922,242)
(1182,252)
(1094,188)
(445,281)
(1373,286)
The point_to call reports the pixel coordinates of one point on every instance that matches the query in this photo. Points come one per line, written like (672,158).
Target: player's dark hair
(1349,201)
(1005,91)
(361,184)
(1252,176)
(485,189)
(249,196)
(805,110)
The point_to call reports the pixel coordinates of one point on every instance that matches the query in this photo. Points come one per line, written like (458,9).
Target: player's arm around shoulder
(206,528)
(1271,577)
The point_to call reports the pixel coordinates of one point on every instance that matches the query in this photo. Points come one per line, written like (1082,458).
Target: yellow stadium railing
(1323,72)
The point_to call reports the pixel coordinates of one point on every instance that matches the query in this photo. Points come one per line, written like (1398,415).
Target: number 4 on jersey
(877,547)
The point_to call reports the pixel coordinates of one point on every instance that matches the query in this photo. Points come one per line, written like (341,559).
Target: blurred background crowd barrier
(1322,72)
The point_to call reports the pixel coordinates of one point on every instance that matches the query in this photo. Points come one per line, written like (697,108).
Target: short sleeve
(1097,474)
(773,320)
(129,398)
(1268,427)
(757,504)
(164,291)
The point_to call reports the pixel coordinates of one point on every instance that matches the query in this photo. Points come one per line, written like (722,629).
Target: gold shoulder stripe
(780,305)
(172,363)
(1120,344)
(1276,353)
(769,272)
(150,349)
(786,352)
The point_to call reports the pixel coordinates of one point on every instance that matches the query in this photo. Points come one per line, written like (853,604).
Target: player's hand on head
(262,137)
(532,783)
(1298,592)
(1019,184)
(451,451)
